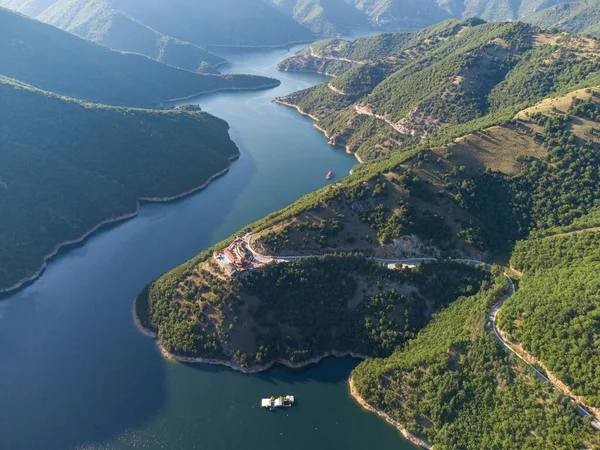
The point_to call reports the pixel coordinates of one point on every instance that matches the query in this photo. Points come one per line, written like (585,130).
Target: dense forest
(300,310)
(456,387)
(56,61)
(555,314)
(99,162)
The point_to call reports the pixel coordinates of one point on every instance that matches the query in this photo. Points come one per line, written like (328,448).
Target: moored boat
(330,175)
(279,402)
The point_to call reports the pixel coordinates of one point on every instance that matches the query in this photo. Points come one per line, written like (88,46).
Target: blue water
(75,372)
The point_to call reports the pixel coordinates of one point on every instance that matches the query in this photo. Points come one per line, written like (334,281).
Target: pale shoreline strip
(407,435)
(231,364)
(316,125)
(275,46)
(25,280)
(225,89)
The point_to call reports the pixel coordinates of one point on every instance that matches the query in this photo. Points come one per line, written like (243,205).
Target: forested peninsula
(462,166)
(101,163)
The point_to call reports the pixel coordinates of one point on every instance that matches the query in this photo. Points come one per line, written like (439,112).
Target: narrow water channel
(74,371)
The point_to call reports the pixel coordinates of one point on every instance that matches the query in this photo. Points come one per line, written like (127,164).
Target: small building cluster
(279,402)
(236,258)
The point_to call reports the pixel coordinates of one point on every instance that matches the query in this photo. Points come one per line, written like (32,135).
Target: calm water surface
(74,371)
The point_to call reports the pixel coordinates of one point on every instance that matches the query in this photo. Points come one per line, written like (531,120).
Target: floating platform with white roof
(279,402)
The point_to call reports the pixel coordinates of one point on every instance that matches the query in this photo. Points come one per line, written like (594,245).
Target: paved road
(506,346)
(412,262)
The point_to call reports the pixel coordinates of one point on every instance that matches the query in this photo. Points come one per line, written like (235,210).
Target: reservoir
(75,372)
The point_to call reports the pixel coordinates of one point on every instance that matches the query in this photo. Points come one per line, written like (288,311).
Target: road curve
(506,346)
(412,262)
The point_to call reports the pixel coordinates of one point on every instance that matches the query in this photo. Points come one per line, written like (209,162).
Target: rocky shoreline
(316,125)
(232,364)
(111,221)
(286,363)
(260,368)
(407,435)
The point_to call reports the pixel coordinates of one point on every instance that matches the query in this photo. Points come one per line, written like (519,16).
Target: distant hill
(324,17)
(99,22)
(254,22)
(402,14)
(223,22)
(67,165)
(581,17)
(54,60)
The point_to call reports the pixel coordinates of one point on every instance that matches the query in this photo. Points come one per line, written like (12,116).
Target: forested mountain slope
(402,14)
(468,190)
(455,386)
(66,166)
(98,21)
(581,16)
(439,81)
(54,60)
(471,199)
(555,315)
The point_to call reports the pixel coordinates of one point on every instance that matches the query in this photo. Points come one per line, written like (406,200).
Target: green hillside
(455,386)
(471,199)
(581,16)
(440,81)
(54,60)
(556,313)
(99,22)
(81,164)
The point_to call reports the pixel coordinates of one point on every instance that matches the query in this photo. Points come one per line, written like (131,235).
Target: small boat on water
(330,175)
(280,402)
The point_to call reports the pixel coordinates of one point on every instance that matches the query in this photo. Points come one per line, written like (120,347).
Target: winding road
(413,262)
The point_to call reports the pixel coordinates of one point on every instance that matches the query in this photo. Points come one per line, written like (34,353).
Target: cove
(75,372)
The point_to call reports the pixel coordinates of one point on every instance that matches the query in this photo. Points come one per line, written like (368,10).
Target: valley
(470,188)
(388,209)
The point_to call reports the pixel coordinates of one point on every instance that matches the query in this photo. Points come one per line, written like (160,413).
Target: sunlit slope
(441,81)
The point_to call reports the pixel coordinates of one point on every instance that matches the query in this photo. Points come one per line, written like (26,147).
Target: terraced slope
(440,81)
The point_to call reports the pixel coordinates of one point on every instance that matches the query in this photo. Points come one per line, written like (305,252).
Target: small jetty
(329,175)
(277,402)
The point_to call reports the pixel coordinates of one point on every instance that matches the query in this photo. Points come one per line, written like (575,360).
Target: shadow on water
(329,370)
(73,368)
